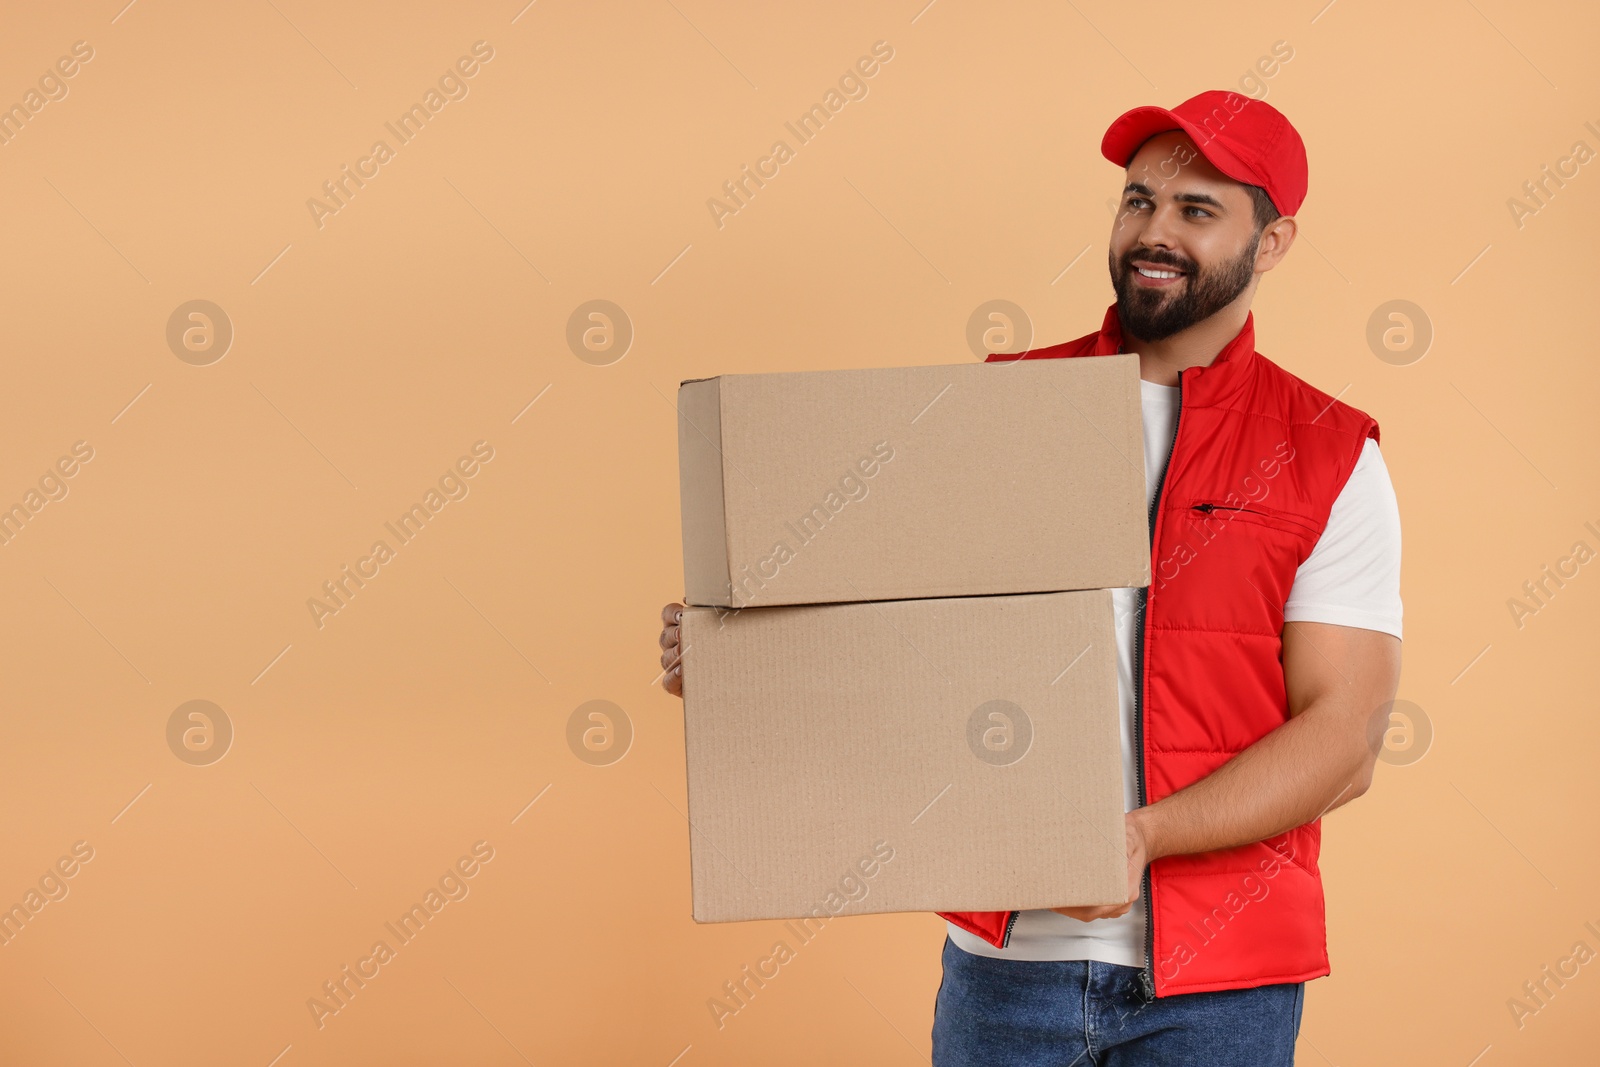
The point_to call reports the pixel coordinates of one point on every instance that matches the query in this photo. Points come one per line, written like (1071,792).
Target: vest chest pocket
(1248,538)
(1221,512)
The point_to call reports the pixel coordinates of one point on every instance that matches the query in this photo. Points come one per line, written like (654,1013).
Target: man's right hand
(671,658)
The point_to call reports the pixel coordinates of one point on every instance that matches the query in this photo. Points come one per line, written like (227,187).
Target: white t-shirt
(1351,578)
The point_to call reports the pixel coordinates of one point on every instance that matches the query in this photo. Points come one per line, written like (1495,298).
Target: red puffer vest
(1258,458)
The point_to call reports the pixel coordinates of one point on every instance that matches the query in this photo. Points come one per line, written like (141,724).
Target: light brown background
(425,316)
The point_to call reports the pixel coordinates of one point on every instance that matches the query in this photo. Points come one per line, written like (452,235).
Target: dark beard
(1155,314)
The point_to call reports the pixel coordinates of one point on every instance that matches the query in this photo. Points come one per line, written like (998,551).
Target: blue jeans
(1077,1013)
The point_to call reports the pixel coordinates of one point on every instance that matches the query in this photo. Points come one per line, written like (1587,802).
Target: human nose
(1160,230)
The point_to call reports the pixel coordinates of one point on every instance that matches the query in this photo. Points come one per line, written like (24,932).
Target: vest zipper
(1147,980)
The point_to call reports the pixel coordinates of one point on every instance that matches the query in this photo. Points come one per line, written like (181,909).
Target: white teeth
(1159,273)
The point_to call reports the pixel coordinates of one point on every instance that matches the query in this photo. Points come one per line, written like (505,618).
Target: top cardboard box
(963,480)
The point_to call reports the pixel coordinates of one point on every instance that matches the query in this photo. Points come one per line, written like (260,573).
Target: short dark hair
(1266,213)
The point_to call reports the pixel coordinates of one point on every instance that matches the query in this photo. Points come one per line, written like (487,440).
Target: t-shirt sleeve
(1352,577)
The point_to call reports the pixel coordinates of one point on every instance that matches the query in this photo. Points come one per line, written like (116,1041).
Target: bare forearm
(1286,779)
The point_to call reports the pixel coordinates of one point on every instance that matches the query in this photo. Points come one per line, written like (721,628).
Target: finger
(1089,914)
(669,637)
(672,681)
(672,613)
(670,658)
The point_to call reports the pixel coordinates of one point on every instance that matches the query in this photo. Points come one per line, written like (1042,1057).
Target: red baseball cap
(1248,140)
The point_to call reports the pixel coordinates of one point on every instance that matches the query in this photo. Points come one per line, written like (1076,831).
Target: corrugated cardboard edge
(700,496)
(1132,415)
(688,633)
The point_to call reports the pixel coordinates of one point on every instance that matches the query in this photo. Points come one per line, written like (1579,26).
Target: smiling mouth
(1157,277)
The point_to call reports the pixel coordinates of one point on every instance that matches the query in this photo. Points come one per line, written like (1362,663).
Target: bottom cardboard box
(912,755)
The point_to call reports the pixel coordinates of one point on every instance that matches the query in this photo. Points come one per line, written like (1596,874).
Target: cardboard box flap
(700,484)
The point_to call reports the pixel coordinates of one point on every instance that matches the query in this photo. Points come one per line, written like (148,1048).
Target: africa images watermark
(1251,889)
(1183,153)
(452,485)
(51,87)
(1539,190)
(751,579)
(852,85)
(52,486)
(1218,514)
(853,885)
(1540,591)
(1539,992)
(51,887)
(452,85)
(341,989)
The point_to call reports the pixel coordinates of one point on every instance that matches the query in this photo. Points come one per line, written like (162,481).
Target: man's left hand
(1137,851)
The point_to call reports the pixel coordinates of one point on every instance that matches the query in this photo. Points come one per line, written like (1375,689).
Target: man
(1256,671)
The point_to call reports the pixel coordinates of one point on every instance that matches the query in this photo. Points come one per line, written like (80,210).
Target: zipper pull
(1207,508)
(1147,986)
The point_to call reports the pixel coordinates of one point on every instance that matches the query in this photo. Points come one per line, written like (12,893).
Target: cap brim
(1125,135)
